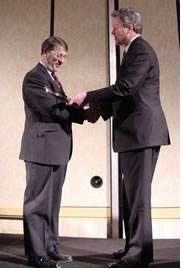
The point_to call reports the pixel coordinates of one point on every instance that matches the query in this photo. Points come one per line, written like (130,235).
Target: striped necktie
(59,85)
(56,81)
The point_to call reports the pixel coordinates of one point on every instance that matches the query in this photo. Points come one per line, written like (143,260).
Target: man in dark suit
(46,149)
(139,129)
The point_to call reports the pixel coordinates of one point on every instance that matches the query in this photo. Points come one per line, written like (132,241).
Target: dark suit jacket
(47,137)
(134,101)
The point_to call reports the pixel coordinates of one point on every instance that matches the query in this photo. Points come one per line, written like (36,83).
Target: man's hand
(79,99)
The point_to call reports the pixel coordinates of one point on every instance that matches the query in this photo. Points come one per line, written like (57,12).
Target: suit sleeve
(130,79)
(46,104)
(77,115)
(105,110)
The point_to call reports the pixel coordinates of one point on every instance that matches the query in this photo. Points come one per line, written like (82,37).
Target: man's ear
(130,27)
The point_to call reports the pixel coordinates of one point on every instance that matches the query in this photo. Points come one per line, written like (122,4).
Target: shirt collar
(47,68)
(127,47)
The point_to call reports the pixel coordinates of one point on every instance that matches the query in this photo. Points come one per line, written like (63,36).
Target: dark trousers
(136,170)
(42,200)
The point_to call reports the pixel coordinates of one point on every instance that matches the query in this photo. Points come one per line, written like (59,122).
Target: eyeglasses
(63,57)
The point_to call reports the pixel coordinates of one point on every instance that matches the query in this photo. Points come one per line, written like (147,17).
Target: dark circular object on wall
(96,181)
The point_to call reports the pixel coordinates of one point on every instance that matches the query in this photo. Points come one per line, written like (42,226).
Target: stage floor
(87,253)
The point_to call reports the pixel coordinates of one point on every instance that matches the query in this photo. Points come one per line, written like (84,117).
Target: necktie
(123,58)
(56,80)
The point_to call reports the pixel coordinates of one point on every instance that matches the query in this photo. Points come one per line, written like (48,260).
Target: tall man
(46,149)
(139,129)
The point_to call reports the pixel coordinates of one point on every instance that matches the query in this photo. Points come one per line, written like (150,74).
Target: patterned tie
(56,81)
(59,85)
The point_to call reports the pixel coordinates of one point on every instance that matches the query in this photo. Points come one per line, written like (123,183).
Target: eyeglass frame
(59,55)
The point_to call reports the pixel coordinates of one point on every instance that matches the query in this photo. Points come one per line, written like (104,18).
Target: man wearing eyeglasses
(46,149)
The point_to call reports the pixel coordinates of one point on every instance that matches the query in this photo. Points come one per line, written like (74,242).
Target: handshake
(93,112)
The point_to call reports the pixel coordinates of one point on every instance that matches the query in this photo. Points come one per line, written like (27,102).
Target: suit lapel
(132,46)
(128,54)
(55,88)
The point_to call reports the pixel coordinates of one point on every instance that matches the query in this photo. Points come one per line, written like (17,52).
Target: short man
(46,149)
(139,129)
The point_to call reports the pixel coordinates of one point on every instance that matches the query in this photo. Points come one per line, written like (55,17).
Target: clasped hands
(92,112)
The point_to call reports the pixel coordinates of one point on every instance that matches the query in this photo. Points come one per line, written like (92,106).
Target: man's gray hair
(129,16)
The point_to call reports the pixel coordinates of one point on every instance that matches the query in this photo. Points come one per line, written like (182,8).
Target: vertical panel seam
(52,17)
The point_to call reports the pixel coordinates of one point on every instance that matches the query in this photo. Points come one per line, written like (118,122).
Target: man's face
(55,58)
(119,31)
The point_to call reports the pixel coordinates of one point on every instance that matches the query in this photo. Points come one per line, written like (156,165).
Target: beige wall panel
(84,227)
(166,228)
(160,30)
(94,222)
(23,26)
(83,24)
(11,226)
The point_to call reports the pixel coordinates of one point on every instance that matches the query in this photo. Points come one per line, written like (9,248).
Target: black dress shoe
(43,262)
(117,255)
(56,256)
(126,263)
